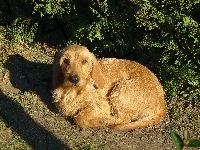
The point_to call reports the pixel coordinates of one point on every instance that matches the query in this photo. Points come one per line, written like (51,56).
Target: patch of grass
(10,139)
(86,147)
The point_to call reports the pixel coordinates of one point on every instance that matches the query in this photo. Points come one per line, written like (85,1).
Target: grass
(9,139)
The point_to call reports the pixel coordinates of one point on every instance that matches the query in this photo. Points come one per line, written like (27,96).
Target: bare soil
(29,120)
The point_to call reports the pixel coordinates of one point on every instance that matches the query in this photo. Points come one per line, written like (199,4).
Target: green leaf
(187,135)
(193,143)
(177,140)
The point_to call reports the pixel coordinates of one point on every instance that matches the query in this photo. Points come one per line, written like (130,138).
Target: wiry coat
(116,93)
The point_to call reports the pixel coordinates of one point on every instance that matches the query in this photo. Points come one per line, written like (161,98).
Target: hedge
(122,28)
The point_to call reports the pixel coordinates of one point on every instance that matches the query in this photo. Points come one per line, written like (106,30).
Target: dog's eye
(84,61)
(66,61)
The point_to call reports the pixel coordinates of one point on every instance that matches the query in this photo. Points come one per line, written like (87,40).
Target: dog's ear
(97,74)
(57,73)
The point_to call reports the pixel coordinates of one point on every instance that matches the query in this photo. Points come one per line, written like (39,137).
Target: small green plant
(187,142)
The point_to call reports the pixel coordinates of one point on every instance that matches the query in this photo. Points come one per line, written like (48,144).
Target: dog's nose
(74,79)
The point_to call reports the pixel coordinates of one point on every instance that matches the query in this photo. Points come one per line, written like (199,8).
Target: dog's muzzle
(74,79)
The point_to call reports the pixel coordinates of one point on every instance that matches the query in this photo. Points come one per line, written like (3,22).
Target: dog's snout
(74,79)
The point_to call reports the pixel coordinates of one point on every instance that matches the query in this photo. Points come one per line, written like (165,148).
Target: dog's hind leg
(143,105)
(140,123)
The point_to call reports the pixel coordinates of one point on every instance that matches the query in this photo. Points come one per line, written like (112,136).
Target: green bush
(171,26)
(122,27)
(16,22)
(22,31)
(101,25)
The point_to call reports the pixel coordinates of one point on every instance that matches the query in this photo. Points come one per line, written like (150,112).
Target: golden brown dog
(116,93)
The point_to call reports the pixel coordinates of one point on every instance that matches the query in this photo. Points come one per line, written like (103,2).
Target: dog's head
(77,66)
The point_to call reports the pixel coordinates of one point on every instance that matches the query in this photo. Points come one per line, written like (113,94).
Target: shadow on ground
(30,76)
(36,77)
(21,123)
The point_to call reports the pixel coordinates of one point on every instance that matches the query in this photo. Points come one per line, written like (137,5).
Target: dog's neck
(75,90)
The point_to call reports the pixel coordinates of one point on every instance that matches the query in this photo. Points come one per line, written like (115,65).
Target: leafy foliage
(170,25)
(121,27)
(21,30)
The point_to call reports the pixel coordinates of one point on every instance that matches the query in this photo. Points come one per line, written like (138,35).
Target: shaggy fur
(116,93)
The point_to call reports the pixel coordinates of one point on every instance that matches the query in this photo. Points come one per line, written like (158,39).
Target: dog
(115,93)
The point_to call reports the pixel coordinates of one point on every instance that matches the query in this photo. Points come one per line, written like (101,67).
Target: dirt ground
(29,120)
